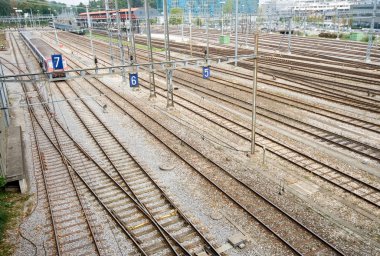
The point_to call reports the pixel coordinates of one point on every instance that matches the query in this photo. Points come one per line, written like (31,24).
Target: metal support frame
(236,30)
(4,98)
(207,32)
(130,68)
(290,32)
(89,25)
(190,39)
(132,51)
(152,82)
(254,90)
(109,31)
(55,30)
(121,47)
(370,36)
(222,4)
(337,20)
(169,70)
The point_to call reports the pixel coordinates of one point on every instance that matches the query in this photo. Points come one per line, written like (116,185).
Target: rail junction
(166,147)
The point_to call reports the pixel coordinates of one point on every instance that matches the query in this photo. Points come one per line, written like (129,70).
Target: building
(362,15)
(136,14)
(202,7)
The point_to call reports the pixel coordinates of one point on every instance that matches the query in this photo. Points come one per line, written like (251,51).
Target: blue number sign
(206,72)
(133,80)
(57,61)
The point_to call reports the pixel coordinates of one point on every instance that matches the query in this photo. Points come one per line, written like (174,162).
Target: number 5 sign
(133,80)
(206,72)
(57,61)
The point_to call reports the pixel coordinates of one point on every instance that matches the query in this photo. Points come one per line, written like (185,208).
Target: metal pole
(90,30)
(131,34)
(246,30)
(338,28)
(169,71)
(222,20)
(120,41)
(290,32)
(182,28)
(304,25)
(236,30)
(370,41)
(152,83)
(253,135)
(191,44)
(109,32)
(208,40)
(4,98)
(55,31)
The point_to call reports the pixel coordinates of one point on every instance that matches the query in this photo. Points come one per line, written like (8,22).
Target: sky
(72,2)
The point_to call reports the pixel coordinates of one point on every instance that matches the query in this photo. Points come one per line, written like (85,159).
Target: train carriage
(43,53)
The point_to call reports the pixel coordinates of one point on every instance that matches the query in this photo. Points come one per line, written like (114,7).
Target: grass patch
(11,208)
(116,41)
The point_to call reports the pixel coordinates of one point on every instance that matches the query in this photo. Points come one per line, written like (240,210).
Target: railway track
(141,184)
(127,193)
(72,227)
(225,182)
(347,182)
(311,47)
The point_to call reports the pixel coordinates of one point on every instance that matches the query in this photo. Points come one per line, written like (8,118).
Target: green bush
(2,182)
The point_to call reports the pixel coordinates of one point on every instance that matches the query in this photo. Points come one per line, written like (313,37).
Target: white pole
(90,30)
(368,54)
(55,31)
(236,30)
(253,135)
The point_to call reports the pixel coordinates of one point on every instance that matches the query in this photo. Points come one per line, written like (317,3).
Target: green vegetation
(176,16)
(116,41)
(10,209)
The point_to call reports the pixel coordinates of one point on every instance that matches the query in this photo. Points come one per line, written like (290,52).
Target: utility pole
(4,98)
(55,31)
(236,30)
(109,31)
(182,27)
(132,56)
(169,70)
(152,83)
(208,39)
(190,26)
(304,24)
(337,20)
(222,3)
(120,41)
(90,30)
(370,36)
(290,32)
(253,135)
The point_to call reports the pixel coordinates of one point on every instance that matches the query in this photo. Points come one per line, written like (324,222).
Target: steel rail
(307,157)
(31,112)
(140,166)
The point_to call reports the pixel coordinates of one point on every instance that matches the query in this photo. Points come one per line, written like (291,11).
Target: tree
(6,8)
(176,16)
(228,6)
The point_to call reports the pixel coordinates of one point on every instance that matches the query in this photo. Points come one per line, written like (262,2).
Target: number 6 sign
(133,80)
(57,61)
(206,72)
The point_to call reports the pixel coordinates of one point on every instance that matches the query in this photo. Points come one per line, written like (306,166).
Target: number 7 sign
(57,61)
